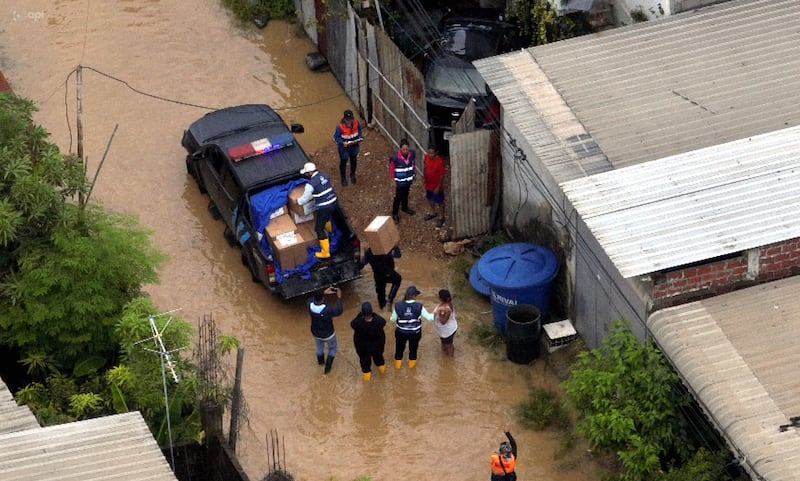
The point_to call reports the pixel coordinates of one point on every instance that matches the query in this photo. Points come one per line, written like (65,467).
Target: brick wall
(779,260)
(768,263)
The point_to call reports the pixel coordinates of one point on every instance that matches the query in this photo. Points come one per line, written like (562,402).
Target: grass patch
(486,335)
(246,11)
(459,270)
(489,242)
(543,409)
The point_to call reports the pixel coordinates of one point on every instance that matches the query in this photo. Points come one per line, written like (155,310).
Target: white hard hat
(309,167)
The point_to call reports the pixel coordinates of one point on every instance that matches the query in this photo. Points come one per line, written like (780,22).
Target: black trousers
(394,278)
(322,217)
(351,154)
(400,198)
(400,340)
(367,358)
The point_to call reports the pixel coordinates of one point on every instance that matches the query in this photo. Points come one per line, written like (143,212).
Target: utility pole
(79,81)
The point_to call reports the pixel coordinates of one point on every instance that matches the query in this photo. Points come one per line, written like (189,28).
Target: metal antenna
(166,363)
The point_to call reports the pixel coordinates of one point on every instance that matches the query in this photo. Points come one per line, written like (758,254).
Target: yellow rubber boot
(382,369)
(366,376)
(412,364)
(328,227)
(398,364)
(325,244)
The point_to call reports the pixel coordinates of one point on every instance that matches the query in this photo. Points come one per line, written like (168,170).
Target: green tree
(35,179)
(137,383)
(65,271)
(68,290)
(630,400)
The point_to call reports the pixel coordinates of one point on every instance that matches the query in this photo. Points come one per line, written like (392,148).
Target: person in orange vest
(348,135)
(504,462)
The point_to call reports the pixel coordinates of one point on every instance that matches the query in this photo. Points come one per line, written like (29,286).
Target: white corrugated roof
(654,89)
(738,354)
(118,447)
(13,417)
(694,206)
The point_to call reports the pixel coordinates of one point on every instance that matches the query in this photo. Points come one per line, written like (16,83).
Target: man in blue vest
(402,166)
(322,325)
(320,189)
(408,315)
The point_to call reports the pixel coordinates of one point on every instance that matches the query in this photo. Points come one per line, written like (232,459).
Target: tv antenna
(166,363)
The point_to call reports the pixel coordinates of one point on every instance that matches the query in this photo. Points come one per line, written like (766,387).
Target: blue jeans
(332,343)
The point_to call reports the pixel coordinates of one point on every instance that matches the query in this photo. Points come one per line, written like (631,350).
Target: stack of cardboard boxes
(291,233)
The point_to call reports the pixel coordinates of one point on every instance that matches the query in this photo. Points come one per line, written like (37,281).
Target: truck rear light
(357,250)
(271,275)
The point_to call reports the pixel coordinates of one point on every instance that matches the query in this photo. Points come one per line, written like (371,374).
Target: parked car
(451,81)
(247,160)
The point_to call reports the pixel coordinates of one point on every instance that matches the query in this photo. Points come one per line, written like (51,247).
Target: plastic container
(518,273)
(477,282)
(524,333)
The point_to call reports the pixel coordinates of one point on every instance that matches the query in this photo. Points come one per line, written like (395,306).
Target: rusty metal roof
(654,89)
(738,354)
(118,447)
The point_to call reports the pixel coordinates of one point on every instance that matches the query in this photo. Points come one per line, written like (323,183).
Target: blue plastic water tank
(518,274)
(477,282)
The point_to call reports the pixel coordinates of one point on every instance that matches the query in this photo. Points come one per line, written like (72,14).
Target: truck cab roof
(275,155)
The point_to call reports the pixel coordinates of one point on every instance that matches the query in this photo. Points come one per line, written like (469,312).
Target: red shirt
(434,173)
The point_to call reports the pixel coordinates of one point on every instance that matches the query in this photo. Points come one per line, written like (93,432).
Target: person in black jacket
(322,325)
(369,340)
(383,272)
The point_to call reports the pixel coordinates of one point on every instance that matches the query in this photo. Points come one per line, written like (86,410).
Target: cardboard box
(279,225)
(301,210)
(382,235)
(290,249)
(302,219)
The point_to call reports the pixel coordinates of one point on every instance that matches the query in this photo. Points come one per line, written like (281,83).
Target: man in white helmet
(320,189)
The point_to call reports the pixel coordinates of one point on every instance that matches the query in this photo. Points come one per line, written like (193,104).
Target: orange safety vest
(348,133)
(498,464)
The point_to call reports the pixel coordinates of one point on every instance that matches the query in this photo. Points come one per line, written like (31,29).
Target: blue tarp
(266,202)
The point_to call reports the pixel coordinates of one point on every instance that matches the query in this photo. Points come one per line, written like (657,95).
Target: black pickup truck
(247,160)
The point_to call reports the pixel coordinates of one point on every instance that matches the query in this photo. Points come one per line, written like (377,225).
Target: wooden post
(236,402)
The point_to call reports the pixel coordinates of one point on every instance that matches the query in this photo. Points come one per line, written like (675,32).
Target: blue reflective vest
(409,316)
(324,195)
(404,173)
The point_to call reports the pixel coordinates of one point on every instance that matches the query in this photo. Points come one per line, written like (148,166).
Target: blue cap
(366,308)
(412,291)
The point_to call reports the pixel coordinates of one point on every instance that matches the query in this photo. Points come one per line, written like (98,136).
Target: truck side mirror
(298,128)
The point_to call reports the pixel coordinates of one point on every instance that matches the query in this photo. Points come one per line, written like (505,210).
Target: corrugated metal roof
(738,353)
(13,417)
(118,447)
(694,206)
(656,88)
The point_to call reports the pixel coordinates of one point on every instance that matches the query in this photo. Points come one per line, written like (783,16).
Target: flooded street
(440,421)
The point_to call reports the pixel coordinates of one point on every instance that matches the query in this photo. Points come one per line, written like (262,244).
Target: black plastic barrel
(523,333)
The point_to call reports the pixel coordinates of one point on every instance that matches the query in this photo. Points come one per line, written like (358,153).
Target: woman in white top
(445,321)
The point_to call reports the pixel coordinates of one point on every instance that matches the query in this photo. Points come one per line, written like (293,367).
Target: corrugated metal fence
(389,90)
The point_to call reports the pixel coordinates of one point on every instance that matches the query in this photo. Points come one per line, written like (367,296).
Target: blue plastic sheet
(266,202)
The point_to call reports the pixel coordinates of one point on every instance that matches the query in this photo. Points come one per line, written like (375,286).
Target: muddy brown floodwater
(440,421)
